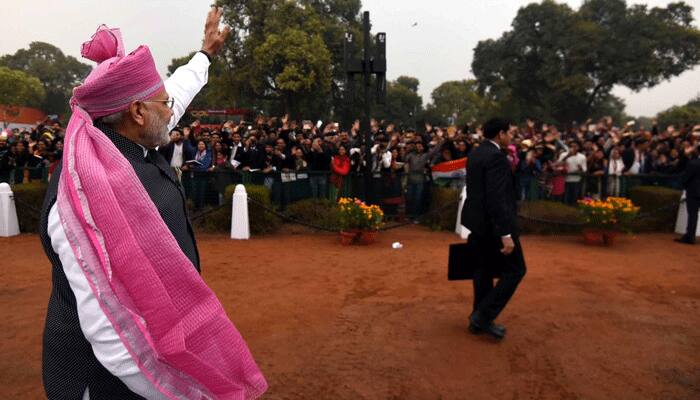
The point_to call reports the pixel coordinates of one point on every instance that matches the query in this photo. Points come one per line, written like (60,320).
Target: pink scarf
(172,324)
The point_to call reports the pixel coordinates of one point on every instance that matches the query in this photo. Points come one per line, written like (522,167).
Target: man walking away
(489,212)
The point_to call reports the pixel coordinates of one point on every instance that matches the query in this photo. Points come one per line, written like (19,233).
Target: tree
(20,89)
(459,100)
(58,73)
(559,65)
(287,55)
(681,115)
(403,104)
(216,92)
(293,65)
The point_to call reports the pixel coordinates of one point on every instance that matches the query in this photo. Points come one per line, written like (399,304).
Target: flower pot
(593,237)
(597,237)
(609,237)
(348,237)
(368,237)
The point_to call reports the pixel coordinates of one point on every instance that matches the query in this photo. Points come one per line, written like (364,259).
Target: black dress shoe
(684,240)
(477,327)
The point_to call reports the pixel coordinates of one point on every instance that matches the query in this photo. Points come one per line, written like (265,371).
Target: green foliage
(20,89)
(261,221)
(284,56)
(293,63)
(548,218)
(216,221)
(58,73)
(408,82)
(680,115)
(29,198)
(658,208)
(441,215)
(320,212)
(403,104)
(460,99)
(558,64)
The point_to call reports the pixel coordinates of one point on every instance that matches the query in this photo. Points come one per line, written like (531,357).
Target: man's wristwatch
(206,54)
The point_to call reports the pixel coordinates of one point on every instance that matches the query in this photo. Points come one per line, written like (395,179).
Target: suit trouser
(692,204)
(490,300)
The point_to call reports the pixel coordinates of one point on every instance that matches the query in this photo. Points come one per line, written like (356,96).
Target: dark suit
(239,154)
(490,213)
(691,184)
(187,151)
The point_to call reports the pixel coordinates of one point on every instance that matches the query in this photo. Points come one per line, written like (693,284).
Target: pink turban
(118,79)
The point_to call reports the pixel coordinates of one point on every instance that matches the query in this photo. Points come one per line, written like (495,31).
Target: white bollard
(240,228)
(682,219)
(8,213)
(459,228)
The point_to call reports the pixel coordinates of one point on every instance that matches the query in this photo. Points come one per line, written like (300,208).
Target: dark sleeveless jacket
(69,364)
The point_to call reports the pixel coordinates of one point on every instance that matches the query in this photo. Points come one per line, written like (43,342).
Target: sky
(438,49)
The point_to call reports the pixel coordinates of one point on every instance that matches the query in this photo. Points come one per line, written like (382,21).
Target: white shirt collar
(145,150)
(495,144)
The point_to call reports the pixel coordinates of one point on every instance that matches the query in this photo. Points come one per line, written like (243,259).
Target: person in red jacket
(340,164)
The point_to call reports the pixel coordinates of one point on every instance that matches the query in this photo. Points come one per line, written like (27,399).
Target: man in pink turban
(129,316)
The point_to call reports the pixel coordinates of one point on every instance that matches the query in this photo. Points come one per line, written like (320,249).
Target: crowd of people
(30,154)
(560,163)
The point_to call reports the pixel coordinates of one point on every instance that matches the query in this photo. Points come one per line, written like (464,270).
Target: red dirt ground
(330,322)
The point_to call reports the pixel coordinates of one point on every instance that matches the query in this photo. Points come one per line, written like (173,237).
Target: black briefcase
(465,258)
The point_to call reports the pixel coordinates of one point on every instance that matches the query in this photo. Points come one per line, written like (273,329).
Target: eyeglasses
(170,102)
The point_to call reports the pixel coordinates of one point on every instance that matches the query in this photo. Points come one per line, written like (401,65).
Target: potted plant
(604,219)
(359,222)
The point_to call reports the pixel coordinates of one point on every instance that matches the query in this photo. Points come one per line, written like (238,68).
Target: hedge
(442,216)
(320,212)
(560,218)
(658,208)
(29,197)
(261,221)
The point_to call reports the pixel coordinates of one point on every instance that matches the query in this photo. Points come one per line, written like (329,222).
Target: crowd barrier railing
(207,188)
(391,190)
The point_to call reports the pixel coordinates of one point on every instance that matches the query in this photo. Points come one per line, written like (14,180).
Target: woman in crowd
(340,166)
(300,164)
(557,179)
(222,169)
(615,169)
(202,163)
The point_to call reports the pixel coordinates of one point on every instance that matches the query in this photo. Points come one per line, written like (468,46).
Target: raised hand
(213,37)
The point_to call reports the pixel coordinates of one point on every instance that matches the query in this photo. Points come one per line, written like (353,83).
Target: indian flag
(450,169)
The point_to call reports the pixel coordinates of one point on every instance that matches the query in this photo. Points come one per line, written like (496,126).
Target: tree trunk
(591,98)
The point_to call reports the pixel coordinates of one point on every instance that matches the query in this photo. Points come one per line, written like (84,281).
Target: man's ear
(137,113)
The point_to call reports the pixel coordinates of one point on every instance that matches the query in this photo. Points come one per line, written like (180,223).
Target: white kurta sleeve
(185,83)
(98,330)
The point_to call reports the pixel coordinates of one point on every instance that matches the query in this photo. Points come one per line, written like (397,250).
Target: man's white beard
(156,133)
